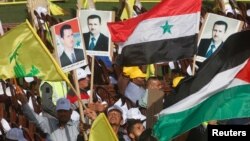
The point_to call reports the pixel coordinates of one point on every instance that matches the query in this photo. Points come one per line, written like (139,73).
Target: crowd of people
(54,107)
(59,116)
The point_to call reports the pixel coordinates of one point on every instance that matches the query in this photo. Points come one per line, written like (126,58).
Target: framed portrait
(214,31)
(69,47)
(96,35)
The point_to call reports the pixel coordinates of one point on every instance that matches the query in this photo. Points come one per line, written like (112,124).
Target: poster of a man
(209,45)
(215,31)
(94,39)
(70,50)
(95,31)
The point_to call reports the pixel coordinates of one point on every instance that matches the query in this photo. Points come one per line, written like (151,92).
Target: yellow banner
(101,130)
(23,54)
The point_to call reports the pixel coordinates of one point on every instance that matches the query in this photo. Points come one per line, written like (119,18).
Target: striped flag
(167,32)
(220,90)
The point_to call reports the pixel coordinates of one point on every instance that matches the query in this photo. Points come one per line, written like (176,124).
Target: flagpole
(91,4)
(77,92)
(193,67)
(92,78)
(82,4)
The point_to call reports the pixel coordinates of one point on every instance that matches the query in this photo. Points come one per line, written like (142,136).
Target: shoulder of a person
(86,33)
(206,39)
(77,49)
(103,35)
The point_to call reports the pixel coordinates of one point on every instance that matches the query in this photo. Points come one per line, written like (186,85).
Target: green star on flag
(166,28)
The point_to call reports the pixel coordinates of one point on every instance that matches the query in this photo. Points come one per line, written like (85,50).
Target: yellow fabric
(59,89)
(101,130)
(24,54)
(48,34)
(128,9)
(55,9)
(133,72)
(177,80)
(85,4)
(150,71)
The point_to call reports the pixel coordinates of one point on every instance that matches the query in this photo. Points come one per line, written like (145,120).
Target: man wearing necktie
(70,54)
(208,46)
(94,39)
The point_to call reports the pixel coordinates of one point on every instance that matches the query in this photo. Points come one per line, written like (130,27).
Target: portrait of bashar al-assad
(215,30)
(95,31)
(69,44)
(94,39)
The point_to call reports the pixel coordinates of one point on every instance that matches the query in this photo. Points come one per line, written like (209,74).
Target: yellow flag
(101,130)
(150,71)
(24,54)
(55,9)
(85,3)
(128,9)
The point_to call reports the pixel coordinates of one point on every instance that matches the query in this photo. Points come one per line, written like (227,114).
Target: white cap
(87,70)
(115,107)
(134,113)
(124,109)
(80,73)
(41,9)
(118,108)
(29,79)
(248,12)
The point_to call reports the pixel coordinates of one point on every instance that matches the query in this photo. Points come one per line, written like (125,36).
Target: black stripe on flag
(158,51)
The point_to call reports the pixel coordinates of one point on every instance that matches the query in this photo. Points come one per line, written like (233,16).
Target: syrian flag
(223,94)
(165,33)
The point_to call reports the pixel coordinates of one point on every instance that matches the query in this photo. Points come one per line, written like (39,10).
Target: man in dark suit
(94,39)
(70,54)
(208,46)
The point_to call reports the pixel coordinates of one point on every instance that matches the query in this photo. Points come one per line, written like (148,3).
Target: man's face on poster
(218,32)
(94,26)
(68,39)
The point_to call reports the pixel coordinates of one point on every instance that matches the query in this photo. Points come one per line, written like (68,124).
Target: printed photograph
(96,35)
(214,32)
(70,50)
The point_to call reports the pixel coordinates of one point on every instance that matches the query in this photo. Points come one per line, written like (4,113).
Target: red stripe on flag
(120,31)
(244,74)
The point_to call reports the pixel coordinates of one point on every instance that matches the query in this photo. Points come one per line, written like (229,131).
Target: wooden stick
(77,92)
(92,79)
(138,3)
(79,4)
(91,4)
(193,67)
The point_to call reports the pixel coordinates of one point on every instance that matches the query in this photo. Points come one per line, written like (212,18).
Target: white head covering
(80,73)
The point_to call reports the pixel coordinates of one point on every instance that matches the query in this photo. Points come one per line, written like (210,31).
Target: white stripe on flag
(218,83)
(150,29)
